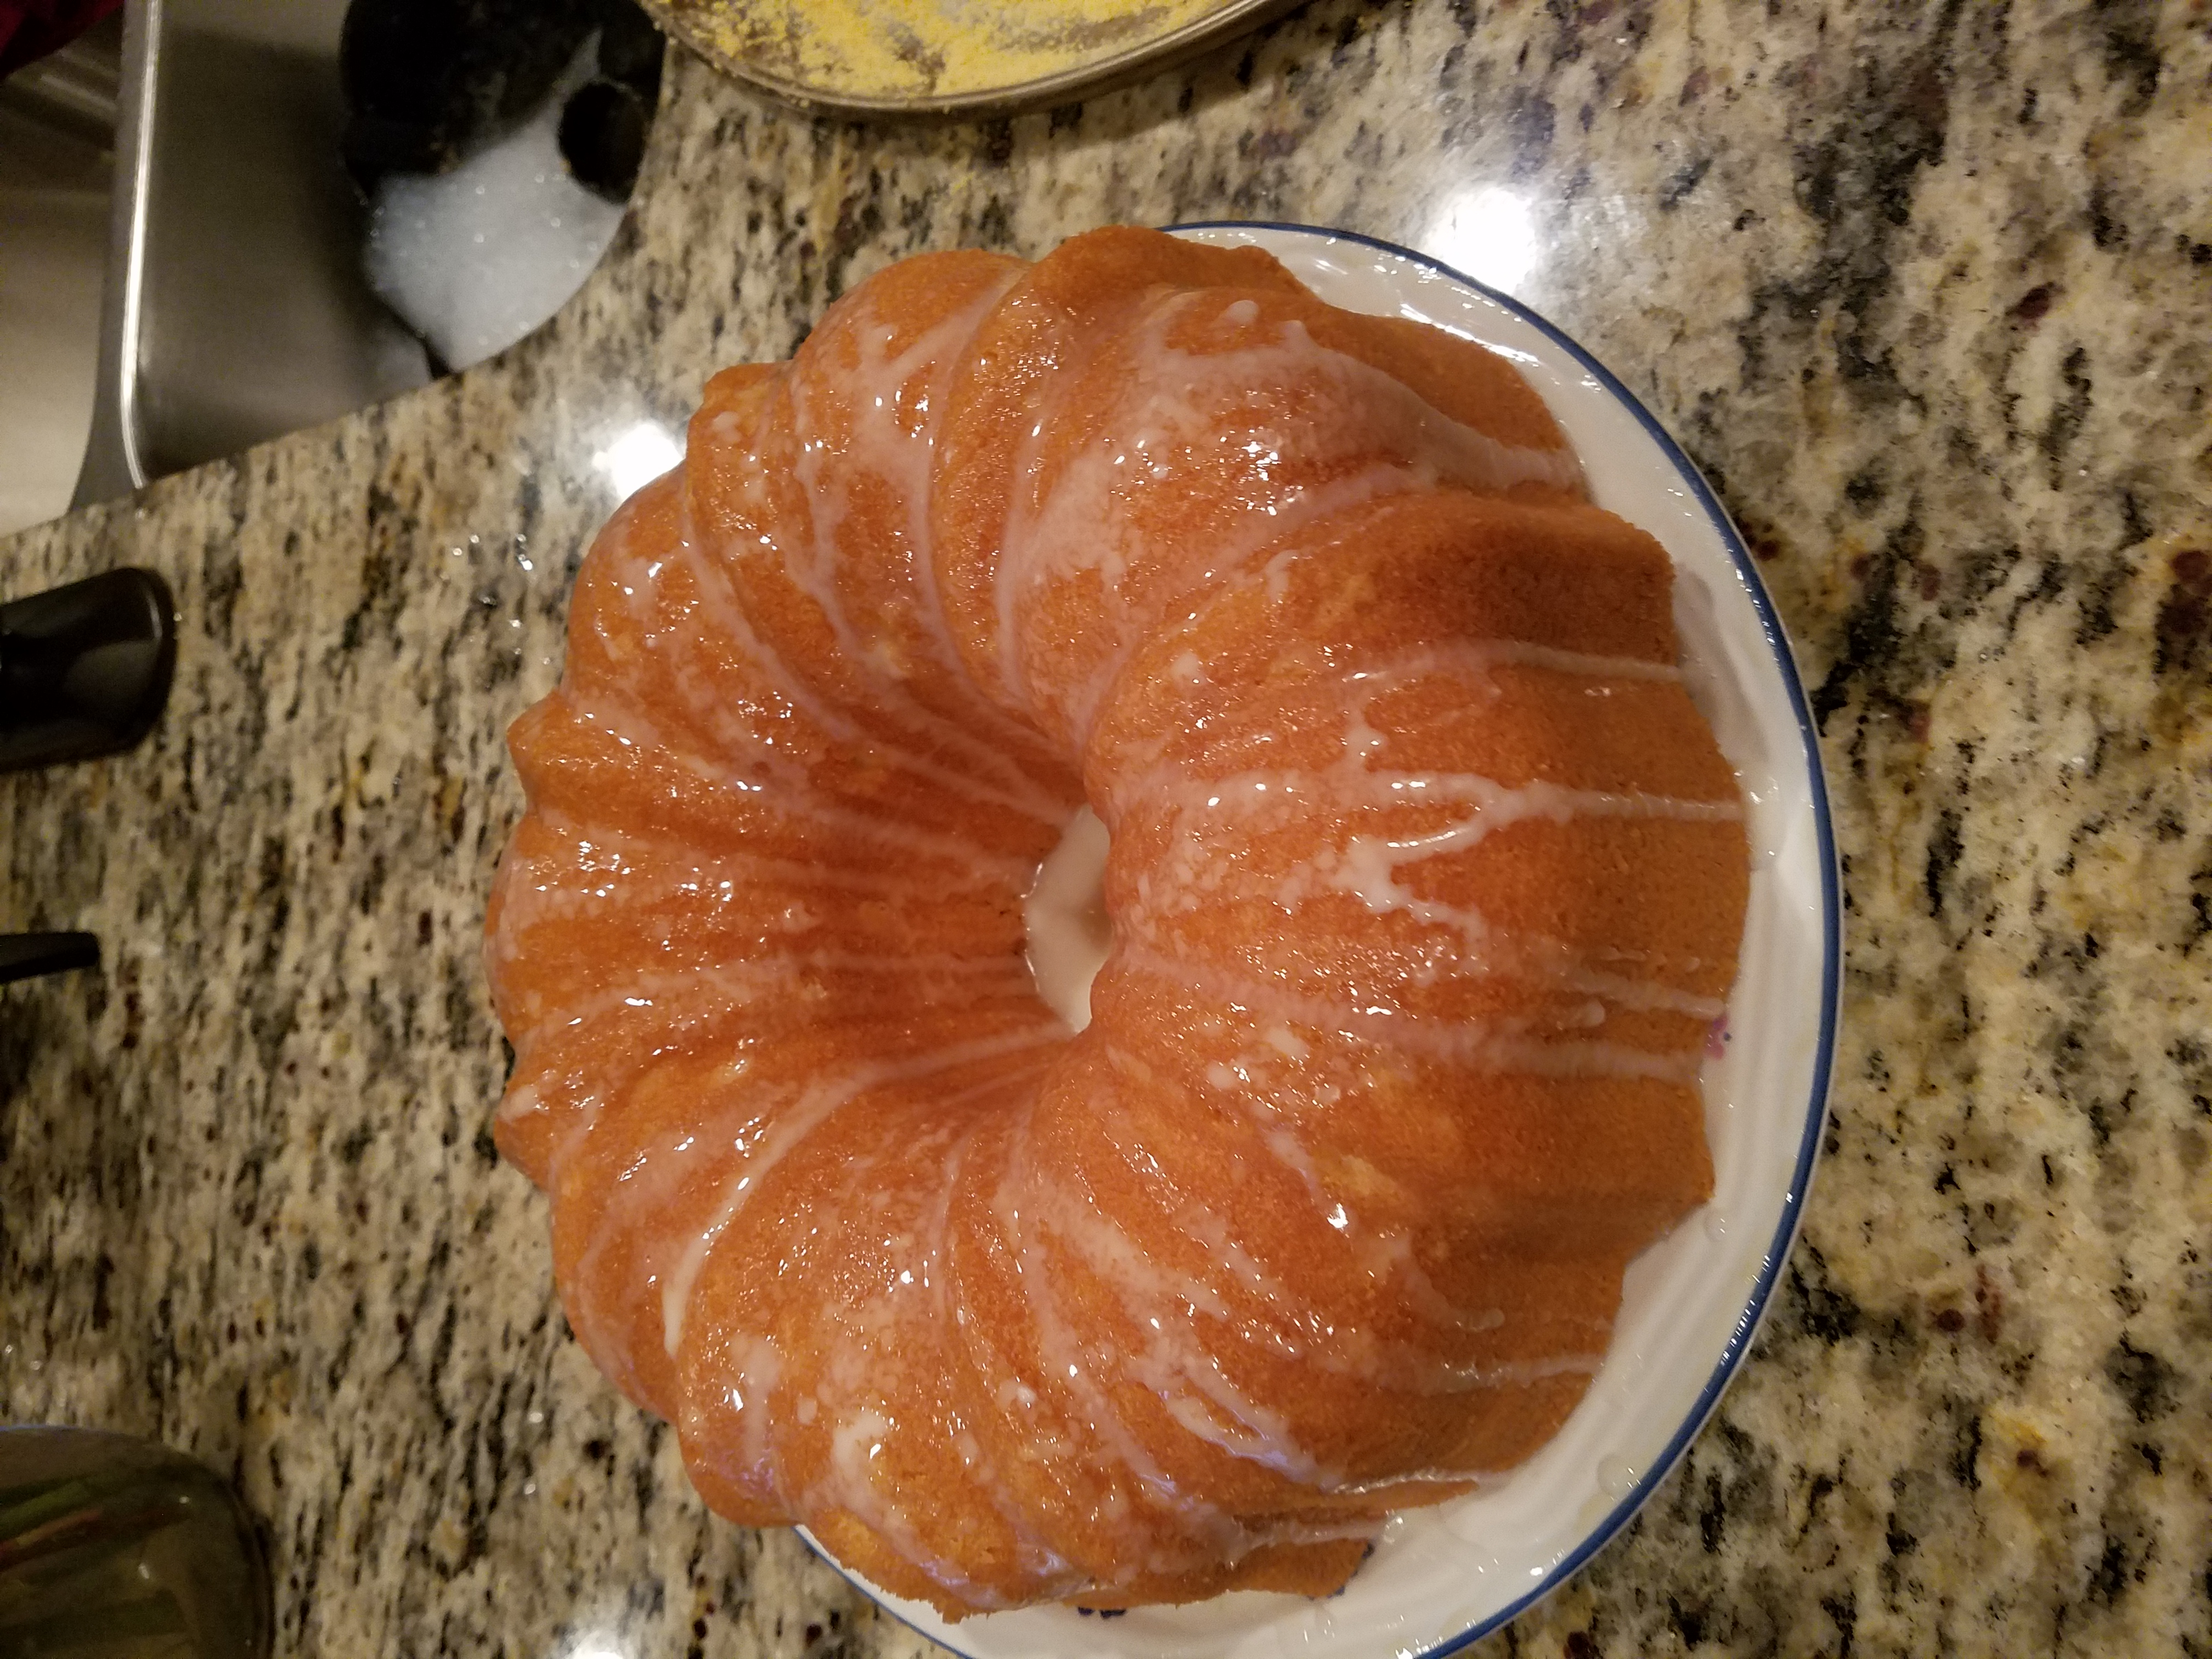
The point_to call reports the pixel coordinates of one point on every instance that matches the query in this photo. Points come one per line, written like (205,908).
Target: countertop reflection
(1927,293)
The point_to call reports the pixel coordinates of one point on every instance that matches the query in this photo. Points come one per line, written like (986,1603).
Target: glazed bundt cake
(1425,884)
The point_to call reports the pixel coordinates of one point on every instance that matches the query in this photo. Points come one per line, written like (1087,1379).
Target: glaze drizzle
(1389,1062)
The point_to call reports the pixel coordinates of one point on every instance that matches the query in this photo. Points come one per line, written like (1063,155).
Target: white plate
(1440,1577)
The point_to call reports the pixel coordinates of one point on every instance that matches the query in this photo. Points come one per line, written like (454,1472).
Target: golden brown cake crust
(1427,879)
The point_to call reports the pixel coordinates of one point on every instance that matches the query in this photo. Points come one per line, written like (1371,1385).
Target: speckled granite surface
(1927,289)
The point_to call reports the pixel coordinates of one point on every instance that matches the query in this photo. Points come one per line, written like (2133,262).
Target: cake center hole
(1066,915)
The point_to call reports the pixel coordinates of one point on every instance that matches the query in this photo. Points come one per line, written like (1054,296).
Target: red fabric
(31,28)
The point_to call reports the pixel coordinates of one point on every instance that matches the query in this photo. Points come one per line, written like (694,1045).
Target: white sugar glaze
(892,400)
(713,705)
(1227,422)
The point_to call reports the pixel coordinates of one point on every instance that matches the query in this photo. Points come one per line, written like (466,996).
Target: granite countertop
(1927,290)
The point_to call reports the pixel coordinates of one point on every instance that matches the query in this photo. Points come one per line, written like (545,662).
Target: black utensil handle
(85,669)
(25,956)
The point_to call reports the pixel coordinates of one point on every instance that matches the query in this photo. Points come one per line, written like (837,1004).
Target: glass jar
(116,1548)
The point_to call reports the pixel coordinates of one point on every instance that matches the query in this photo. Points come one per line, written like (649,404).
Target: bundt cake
(1425,884)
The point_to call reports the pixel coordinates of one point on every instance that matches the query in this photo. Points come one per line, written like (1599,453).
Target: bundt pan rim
(1801,840)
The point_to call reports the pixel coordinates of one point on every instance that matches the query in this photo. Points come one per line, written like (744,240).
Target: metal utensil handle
(25,956)
(85,669)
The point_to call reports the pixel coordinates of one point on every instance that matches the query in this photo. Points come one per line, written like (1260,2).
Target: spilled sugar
(477,257)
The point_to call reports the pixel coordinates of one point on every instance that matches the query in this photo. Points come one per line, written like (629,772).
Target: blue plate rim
(1809,1149)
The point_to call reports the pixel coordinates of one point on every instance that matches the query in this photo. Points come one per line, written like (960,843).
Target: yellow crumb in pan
(924,48)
